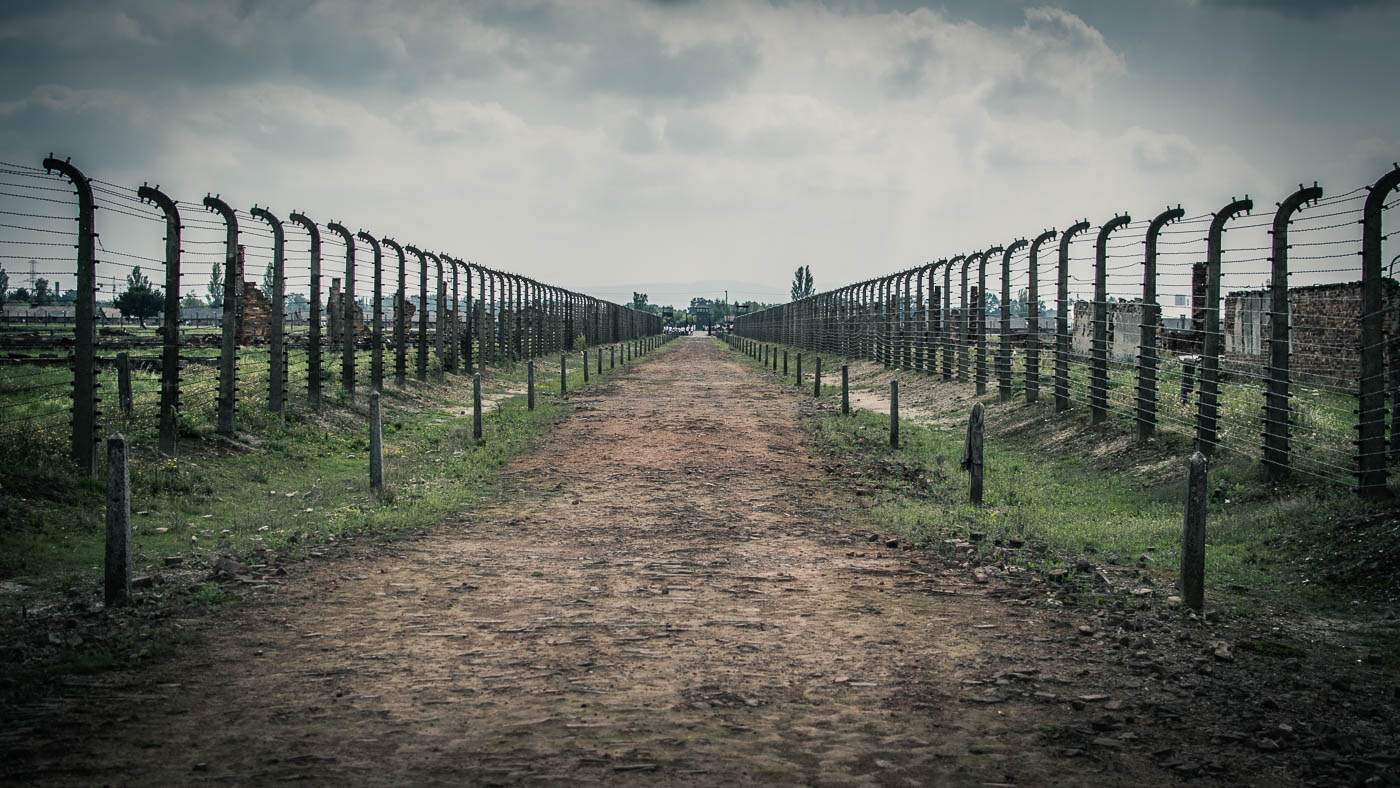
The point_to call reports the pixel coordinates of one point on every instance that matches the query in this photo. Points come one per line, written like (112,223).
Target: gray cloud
(1303,9)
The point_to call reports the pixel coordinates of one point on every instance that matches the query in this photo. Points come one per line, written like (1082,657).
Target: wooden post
(894,414)
(117,577)
(563,374)
(817,379)
(124,382)
(376,445)
(1193,535)
(799,369)
(845,390)
(530,384)
(972,454)
(476,406)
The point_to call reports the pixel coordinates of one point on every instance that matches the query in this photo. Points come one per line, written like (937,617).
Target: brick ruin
(1325,340)
(335,316)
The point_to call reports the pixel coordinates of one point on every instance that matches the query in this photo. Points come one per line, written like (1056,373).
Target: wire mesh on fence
(1171,323)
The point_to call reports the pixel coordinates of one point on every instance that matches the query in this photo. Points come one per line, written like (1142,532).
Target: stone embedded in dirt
(979,577)
(1016,543)
(1086,629)
(174,560)
(873,538)
(1221,652)
(892,543)
(1116,705)
(1142,591)
(1058,575)
(143,581)
(976,536)
(1112,744)
(1173,601)
(1083,565)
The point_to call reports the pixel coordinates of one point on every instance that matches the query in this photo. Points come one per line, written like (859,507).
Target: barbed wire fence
(238,314)
(1282,344)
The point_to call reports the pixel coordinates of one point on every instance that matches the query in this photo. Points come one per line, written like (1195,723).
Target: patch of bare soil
(671,595)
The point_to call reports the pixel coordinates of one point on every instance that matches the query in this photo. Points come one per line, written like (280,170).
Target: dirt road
(669,596)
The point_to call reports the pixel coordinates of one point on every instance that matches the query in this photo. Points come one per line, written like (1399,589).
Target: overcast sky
(601,143)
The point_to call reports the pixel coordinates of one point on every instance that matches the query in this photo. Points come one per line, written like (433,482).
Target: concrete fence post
(585,365)
(785,363)
(85,436)
(563,374)
(817,378)
(313,339)
(972,454)
(376,444)
(845,390)
(530,384)
(117,574)
(124,382)
(1193,535)
(894,414)
(476,406)
(799,369)
(170,325)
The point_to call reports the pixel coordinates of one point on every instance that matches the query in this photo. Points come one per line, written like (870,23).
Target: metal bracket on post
(84,438)
(228,344)
(1151,315)
(1062,319)
(347,320)
(1098,361)
(1208,408)
(276,346)
(170,326)
(313,346)
(376,353)
(1004,346)
(1370,444)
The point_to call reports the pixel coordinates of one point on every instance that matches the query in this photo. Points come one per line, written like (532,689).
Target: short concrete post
(845,390)
(785,364)
(476,406)
(563,374)
(530,384)
(799,369)
(117,577)
(1193,535)
(972,454)
(124,382)
(894,414)
(600,362)
(585,366)
(1188,376)
(376,445)
(817,379)
(612,356)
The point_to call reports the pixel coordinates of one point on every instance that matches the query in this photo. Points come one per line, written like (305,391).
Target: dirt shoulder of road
(673,591)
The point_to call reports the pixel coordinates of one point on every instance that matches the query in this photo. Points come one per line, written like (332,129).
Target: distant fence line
(1295,353)
(480,316)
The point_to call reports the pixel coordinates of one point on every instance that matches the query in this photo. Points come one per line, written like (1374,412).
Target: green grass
(1068,502)
(287,482)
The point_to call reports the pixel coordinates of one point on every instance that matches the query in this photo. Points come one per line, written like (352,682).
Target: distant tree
(639,301)
(192,301)
(4,286)
(216,286)
(296,302)
(42,296)
(269,280)
(802,282)
(20,295)
(140,299)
